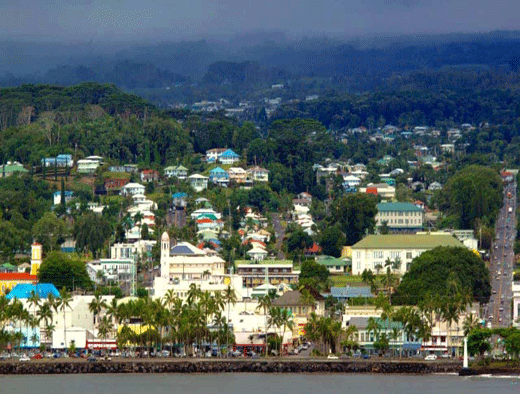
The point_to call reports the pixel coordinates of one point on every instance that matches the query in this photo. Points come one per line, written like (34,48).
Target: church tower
(36,257)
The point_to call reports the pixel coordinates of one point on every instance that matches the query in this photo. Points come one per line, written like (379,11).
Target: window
(408,255)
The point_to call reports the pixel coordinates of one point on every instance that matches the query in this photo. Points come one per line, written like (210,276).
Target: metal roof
(407,241)
(397,206)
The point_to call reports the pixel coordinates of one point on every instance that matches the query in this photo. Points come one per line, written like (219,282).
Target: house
(179,172)
(374,250)
(333,264)
(149,176)
(258,174)
(301,307)
(351,181)
(113,270)
(228,157)
(384,190)
(237,174)
(219,176)
(132,188)
(25,291)
(115,184)
(63,160)
(87,166)
(68,197)
(198,182)
(140,249)
(400,216)
(257,253)
(213,154)
(11,168)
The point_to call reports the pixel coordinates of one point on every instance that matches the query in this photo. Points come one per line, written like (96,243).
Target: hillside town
(203,260)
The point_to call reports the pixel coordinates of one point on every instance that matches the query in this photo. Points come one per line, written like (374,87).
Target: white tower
(165,253)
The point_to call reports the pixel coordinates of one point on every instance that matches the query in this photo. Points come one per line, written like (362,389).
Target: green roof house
(373,250)
(400,216)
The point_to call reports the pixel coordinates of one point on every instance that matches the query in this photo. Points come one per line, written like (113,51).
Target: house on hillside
(149,176)
(219,176)
(258,174)
(11,168)
(400,216)
(213,154)
(179,172)
(198,182)
(228,157)
(132,188)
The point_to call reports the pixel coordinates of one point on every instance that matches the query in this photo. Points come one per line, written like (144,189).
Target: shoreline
(225,366)
(150,366)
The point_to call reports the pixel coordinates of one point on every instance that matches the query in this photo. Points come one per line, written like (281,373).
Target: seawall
(218,366)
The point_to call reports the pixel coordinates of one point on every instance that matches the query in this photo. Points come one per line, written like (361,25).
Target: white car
(25,359)
(332,357)
(431,357)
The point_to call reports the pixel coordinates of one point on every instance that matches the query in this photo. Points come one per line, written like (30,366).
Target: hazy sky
(169,19)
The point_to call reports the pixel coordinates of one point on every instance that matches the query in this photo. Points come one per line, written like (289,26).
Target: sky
(66,20)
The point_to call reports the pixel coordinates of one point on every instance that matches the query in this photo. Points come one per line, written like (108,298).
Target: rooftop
(397,206)
(407,241)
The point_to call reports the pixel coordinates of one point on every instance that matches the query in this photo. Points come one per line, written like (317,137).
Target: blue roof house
(228,157)
(217,174)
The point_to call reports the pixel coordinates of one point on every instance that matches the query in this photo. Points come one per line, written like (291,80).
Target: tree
(355,215)
(332,241)
(91,232)
(50,231)
(63,270)
(96,306)
(475,192)
(64,304)
(512,343)
(430,272)
(264,303)
(314,275)
(478,341)
(297,241)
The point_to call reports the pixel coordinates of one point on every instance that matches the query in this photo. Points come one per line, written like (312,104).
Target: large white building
(400,216)
(373,250)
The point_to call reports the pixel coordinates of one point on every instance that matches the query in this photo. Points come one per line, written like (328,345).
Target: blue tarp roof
(25,290)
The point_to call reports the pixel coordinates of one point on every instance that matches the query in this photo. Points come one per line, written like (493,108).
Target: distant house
(198,182)
(88,166)
(179,172)
(219,176)
(344,294)
(379,189)
(113,184)
(149,176)
(237,174)
(68,197)
(258,174)
(257,253)
(333,264)
(228,157)
(213,154)
(434,186)
(11,168)
(132,188)
(62,160)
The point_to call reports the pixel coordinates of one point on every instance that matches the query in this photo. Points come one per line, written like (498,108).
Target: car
(24,359)
(365,356)
(332,357)
(37,356)
(92,359)
(430,357)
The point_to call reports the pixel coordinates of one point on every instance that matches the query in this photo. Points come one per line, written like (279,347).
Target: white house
(258,174)
(257,253)
(198,182)
(88,166)
(57,197)
(374,250)
(132,188)
(179,172)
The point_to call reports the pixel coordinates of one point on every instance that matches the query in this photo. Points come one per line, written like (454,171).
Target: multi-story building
(198,182)
(374,250)
(258,174)
(400,216)
(132,188)
(88,166)
(276,271)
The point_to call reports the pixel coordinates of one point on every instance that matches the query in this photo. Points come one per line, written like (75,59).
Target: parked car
(332,357)
(431,357)
(37,356)
(24,359)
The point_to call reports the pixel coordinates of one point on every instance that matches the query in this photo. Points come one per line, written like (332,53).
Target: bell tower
(36,257)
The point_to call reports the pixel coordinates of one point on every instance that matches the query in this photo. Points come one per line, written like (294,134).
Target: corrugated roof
(407,241)
(397,206)
(330,260)
(18,276)
(351,292)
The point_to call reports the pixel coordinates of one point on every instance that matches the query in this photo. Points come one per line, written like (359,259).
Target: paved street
(498,311)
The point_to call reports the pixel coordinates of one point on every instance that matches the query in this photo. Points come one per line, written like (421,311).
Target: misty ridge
(208,68)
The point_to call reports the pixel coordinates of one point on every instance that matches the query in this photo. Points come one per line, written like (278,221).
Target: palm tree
(368,277)
(265,303)
(349,342)
(230,298)
(96,306)
(274,319)
(286,322)
(470,323)
(34,300)
(105,327)
(64,303)
(373,327)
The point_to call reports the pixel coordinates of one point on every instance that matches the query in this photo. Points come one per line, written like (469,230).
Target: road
(280,234)
(498,310)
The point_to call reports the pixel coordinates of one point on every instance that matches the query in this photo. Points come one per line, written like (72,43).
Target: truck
(509,195)
(510,209)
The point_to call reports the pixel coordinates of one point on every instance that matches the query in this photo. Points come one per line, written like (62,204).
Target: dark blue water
(248,383)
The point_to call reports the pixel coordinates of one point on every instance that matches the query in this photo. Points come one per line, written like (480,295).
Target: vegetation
(64,271)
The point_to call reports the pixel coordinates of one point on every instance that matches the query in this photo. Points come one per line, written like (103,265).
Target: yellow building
(11,279)
(36,257)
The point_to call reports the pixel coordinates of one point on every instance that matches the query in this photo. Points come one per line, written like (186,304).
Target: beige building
(373,250)
(400,216)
